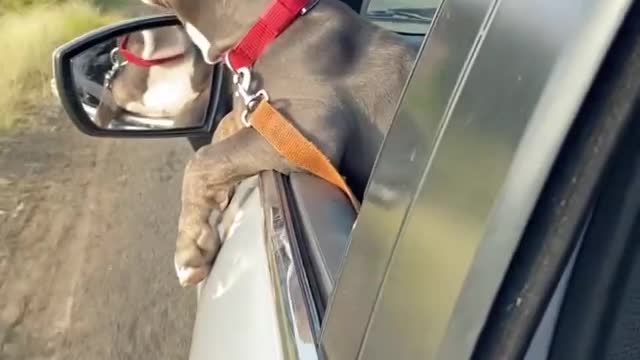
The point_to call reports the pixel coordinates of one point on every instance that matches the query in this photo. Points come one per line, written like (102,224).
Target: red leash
(273,21)
(136,60)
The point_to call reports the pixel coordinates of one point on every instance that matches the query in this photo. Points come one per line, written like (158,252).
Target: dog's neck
(156,45)
(217,25)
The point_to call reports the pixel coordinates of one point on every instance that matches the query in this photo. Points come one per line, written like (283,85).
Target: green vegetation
(29,32)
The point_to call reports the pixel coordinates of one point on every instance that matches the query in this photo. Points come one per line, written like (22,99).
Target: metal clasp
(242,82)
(117,64)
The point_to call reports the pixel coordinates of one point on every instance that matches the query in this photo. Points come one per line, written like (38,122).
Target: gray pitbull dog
(334,75)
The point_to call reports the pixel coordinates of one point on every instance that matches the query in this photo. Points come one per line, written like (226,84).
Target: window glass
(403,16)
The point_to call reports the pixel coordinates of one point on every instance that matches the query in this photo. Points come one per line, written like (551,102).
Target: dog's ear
(107,110)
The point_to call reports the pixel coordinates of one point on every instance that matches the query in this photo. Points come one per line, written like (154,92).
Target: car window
(402,16)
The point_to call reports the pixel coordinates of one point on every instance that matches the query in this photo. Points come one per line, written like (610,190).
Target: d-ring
(242,81)
(252,105)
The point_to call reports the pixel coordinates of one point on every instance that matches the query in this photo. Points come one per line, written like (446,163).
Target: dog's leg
(208,180)
(192,115)
(107,110)
(228,126)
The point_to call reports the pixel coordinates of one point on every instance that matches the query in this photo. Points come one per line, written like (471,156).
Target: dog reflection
(162,75)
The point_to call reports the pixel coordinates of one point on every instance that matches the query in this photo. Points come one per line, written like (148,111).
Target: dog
(173,81)
(334,75)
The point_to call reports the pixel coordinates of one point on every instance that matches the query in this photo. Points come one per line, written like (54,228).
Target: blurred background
(87,225)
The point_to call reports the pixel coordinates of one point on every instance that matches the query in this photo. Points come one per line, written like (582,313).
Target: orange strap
(294,146)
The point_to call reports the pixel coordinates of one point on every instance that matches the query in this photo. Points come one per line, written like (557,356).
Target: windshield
(403,16)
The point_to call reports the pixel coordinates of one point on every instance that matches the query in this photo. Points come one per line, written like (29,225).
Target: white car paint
(236,316)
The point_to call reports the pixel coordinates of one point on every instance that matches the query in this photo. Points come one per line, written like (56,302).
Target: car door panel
(236,316)
(256,302)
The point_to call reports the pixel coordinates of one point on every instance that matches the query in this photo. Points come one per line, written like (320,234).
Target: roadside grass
(29,32)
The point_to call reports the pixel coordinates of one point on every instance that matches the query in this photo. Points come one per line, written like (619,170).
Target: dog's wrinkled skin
(337,77)
(178,89)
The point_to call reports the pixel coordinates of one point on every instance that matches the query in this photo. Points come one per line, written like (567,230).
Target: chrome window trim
(297,315)
(324,221)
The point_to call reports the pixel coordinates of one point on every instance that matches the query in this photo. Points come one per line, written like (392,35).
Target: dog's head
(214,25)
(163,89)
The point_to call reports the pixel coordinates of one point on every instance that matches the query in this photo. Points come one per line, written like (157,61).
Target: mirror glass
(153,79)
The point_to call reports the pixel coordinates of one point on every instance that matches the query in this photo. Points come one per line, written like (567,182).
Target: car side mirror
(140,78)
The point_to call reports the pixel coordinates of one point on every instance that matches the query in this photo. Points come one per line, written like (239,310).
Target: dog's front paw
(198,242)
(188,276)
(196,248)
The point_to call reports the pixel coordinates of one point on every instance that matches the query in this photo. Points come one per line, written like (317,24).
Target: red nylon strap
(279,15)
(136,60)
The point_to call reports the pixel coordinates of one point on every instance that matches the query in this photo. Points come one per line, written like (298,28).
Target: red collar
(136,60)
(273,21)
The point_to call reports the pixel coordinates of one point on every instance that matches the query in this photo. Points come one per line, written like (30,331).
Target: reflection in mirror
(153,79)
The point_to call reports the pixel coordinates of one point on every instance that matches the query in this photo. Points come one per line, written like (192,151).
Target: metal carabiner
(242,82)
(116,65)
(251,106)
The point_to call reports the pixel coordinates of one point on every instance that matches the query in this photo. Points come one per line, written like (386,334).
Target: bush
(28,35)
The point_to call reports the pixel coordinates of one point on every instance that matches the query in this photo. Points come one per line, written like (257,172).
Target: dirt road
(86,241)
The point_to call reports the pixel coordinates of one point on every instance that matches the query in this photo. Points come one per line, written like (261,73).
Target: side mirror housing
(140,78)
